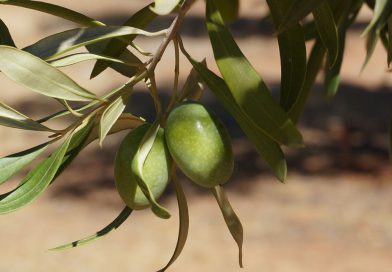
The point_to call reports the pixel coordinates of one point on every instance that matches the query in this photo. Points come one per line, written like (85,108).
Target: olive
(156,168)
(199,144)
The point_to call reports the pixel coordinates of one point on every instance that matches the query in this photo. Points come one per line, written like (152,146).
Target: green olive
(155,169)
(199,144)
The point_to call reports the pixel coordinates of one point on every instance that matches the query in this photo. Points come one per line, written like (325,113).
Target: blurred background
(333,214)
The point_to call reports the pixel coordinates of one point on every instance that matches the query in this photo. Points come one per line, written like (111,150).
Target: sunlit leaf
(292,55)
(314,63)
(5,35)
(10,117)
(39,76)
(327,30)
(184,221)
(110,116)
(298,10)
(140,157)
(60,43)
(35,182)
(164,7)
(80,57)
(115,224)
(267,148)
(231,219)
(247,87)
(12,164)
(55,10)
(115,47)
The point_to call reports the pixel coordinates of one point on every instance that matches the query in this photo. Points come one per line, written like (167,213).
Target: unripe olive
(199,144)
(155,169)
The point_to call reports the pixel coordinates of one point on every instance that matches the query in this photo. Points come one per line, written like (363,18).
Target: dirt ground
(333,215)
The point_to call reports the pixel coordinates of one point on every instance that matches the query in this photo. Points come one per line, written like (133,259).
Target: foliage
(267,122)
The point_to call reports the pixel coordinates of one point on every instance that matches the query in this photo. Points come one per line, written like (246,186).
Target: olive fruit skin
(156,168)
(199,144)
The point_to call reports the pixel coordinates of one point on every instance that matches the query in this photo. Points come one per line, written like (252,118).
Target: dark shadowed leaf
(115,224)
(12,164)
(314,63)
(192,88)
(184,220)
(292,55)
(60,43)
(5,35)
(35,182)
(390,140)
(55,10)
(229,9)
(10,117)
(382,11)
(389,40)
(298,10)
(115,47)
(39,76)
(247,87)
(327,30)
(231,219)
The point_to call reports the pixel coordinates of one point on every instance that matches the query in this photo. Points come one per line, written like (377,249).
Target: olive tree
(185,134)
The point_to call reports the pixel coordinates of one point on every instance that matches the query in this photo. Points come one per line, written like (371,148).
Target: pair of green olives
(194,138)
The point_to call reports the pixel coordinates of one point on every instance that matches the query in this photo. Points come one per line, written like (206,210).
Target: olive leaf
(111,114)
(115,224)
(5,35)
(12,164)
(267,148)
(382,10)
(140,157)
(327,30)
(390,140)
(80,57)
(55,10)
(231,219)
(247,87)
(389,40)
(35,182)
(184,220)
(192,88)
(115,48)
(314,63)
(60,43)
(292,52)
(298,10)
(164,7)
(229,9)
(39,76)
(10,117)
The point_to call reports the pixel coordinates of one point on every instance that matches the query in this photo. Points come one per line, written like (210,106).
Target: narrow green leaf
(298,10)
(80,57)
(110,116)
(229,9)
(115,224)
(115,47)
(10,117)
(266,147)
(292,51)
(246,85)
(382,11)
(60,43)
(55,10)
(327,30)
(164,7)
(389,40)
(314,63)
(5,35)
(371,41)
(35,182)
(184,221)
(140,157)
(231,219)
(192,88)
(12,164)
(39,76)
